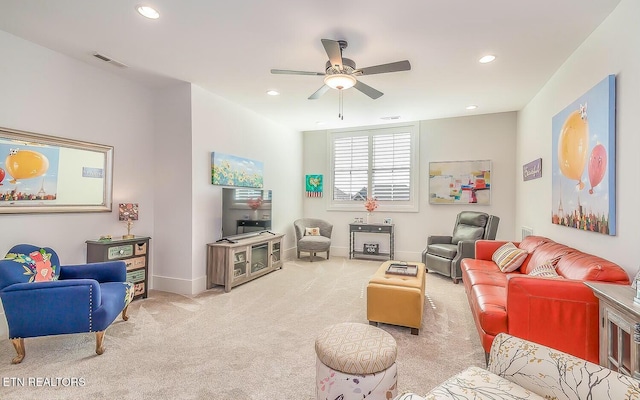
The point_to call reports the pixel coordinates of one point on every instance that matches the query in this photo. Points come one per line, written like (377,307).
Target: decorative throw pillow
(312,231)
(37,265)
(545,270)
(508,257)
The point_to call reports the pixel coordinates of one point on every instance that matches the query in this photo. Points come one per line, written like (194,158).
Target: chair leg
(99,342)
(328,254)
(124,313)
(311,255)
(18,344)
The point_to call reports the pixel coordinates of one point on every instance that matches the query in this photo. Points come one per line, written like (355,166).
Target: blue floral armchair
(41,297)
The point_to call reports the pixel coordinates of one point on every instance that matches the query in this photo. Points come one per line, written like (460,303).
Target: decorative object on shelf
(583,142)
(228,170)
(371,248)
(532,170)
(370,205)
(313,185)
(105,238)
(387,221)
(254,204)
(45,174)
(128,212)
(460,182)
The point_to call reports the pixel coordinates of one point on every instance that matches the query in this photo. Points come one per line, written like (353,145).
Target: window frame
(411,205)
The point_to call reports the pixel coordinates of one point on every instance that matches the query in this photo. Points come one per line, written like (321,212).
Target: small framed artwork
(387,221)
(239,257)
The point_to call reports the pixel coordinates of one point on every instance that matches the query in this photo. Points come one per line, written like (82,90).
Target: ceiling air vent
(109,60)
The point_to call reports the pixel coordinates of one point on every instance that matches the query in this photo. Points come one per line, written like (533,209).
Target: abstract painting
(313,185)
(460,182)
(583,161)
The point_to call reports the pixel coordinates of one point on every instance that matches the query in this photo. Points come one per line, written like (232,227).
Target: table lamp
(128,212)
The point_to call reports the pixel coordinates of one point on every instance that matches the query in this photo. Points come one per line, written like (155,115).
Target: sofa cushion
(488,303)
(445,250)
(479,277)
(547,251)
(312,231)
(587,267)
(530,243)
(477,383)
(546,270)
(508,257)
(319,243)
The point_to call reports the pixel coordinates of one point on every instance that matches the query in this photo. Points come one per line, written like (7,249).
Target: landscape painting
(228,170)
(583,162)
(460,182)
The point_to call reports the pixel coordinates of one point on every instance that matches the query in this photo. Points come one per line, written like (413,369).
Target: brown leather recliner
(443,254)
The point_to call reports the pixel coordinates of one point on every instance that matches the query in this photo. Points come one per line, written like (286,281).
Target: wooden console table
(386,229)
(619,328)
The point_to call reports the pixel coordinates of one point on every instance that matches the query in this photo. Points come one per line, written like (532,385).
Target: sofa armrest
(554,374)
(439,239)
(48,303)
(107,271)
(534,304)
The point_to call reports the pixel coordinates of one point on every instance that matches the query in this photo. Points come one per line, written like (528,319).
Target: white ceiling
(229,48)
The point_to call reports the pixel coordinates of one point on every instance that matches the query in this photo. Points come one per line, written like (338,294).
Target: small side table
(386,229)
(619,328)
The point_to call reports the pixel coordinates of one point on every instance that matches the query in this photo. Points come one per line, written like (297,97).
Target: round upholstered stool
(355,361)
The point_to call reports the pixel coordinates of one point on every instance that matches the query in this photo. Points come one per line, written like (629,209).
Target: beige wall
(611,49)
(453,139)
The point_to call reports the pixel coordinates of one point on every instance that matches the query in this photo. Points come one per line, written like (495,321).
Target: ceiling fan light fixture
(340,81)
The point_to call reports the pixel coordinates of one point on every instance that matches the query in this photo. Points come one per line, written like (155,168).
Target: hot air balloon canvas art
(28,172)
(583,162)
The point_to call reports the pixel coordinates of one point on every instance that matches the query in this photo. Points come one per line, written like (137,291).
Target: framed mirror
(47,174)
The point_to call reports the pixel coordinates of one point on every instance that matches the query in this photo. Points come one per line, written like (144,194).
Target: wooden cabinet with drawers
(134,252)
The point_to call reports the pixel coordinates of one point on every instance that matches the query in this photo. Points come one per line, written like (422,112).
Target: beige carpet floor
(255,342)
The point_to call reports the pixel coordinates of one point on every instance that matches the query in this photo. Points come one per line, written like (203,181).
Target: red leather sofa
(558,313)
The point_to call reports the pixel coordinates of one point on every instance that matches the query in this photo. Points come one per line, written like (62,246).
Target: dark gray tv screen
(245,211)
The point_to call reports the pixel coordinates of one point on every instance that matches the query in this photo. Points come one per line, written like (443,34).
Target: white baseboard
(181,286)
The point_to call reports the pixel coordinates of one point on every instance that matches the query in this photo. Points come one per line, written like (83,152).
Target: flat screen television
(245,212)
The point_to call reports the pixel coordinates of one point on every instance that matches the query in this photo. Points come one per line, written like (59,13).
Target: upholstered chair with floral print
(41,297)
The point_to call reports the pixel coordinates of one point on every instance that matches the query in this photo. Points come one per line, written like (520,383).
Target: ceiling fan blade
(368,90)
(319,92)
(391,67)
(290,72)
(333,51)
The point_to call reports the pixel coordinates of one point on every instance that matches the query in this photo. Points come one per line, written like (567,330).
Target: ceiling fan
(340,73)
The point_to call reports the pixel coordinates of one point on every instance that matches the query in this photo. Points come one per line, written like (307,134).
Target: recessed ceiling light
(272,92)
(471,107)
(148,12)
(390,117)
(487,59)
(320,123)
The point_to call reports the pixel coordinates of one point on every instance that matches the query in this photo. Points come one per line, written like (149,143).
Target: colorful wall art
(583,161)
(313,185)
(460,182)
(40,174)
(228,170)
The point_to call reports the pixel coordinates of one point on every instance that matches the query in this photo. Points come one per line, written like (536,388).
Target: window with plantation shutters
(380,163)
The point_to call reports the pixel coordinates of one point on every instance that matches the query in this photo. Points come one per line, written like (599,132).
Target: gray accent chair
(443,254)
(313,244)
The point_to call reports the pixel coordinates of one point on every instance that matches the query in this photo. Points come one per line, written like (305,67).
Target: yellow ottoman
(396,299)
